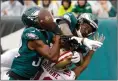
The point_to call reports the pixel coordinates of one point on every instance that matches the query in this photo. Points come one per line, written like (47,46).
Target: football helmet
(90,19)
(30,17)
(40,18)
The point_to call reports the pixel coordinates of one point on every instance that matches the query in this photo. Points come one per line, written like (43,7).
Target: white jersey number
(35,63)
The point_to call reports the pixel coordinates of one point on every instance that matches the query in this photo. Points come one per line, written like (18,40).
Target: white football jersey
(52,74)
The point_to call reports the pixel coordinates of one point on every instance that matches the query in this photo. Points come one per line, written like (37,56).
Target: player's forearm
(55,51)
(87,59)
(84,65)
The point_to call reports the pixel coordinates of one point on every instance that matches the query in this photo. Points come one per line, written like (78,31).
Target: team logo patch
(32,36)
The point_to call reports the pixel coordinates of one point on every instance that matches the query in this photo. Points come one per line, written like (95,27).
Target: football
(46,20)
(64,60)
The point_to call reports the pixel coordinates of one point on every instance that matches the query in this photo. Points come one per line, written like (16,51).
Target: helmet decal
(30,16)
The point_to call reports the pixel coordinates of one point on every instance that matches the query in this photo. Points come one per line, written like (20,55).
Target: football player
(49,73)
(84,26)
(88,26)
(35,45)
(61,70)
(28,17)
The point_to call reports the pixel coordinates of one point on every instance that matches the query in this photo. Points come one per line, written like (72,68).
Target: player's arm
(86,60)
(80,68)
(43,49)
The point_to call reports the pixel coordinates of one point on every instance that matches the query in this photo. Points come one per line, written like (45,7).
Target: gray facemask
(79,33)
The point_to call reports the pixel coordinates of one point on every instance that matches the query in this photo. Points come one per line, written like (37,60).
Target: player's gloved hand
(87,42)
(75,58)
(78,39)
(92,43)
(99,38)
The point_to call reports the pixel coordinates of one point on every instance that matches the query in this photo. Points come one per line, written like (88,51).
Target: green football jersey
(26,64)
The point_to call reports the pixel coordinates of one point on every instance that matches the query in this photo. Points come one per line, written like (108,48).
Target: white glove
(75,57)
(78,39)
(87,42)
(99,38)
(92,43)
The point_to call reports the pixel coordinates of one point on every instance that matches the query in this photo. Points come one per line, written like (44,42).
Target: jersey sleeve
(31,34)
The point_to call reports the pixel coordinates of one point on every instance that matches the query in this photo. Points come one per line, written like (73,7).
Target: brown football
(46,20)
(64,60)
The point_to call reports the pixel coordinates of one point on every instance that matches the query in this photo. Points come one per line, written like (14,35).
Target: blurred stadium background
(103,65)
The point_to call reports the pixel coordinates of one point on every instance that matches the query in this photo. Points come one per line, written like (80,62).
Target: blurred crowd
(101,8)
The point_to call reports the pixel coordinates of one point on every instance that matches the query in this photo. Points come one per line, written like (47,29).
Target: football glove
(99,38)
(75,58)
(78,39)
(87,42)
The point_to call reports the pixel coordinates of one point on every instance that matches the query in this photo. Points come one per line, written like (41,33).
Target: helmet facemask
(90,20)
(84,23)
